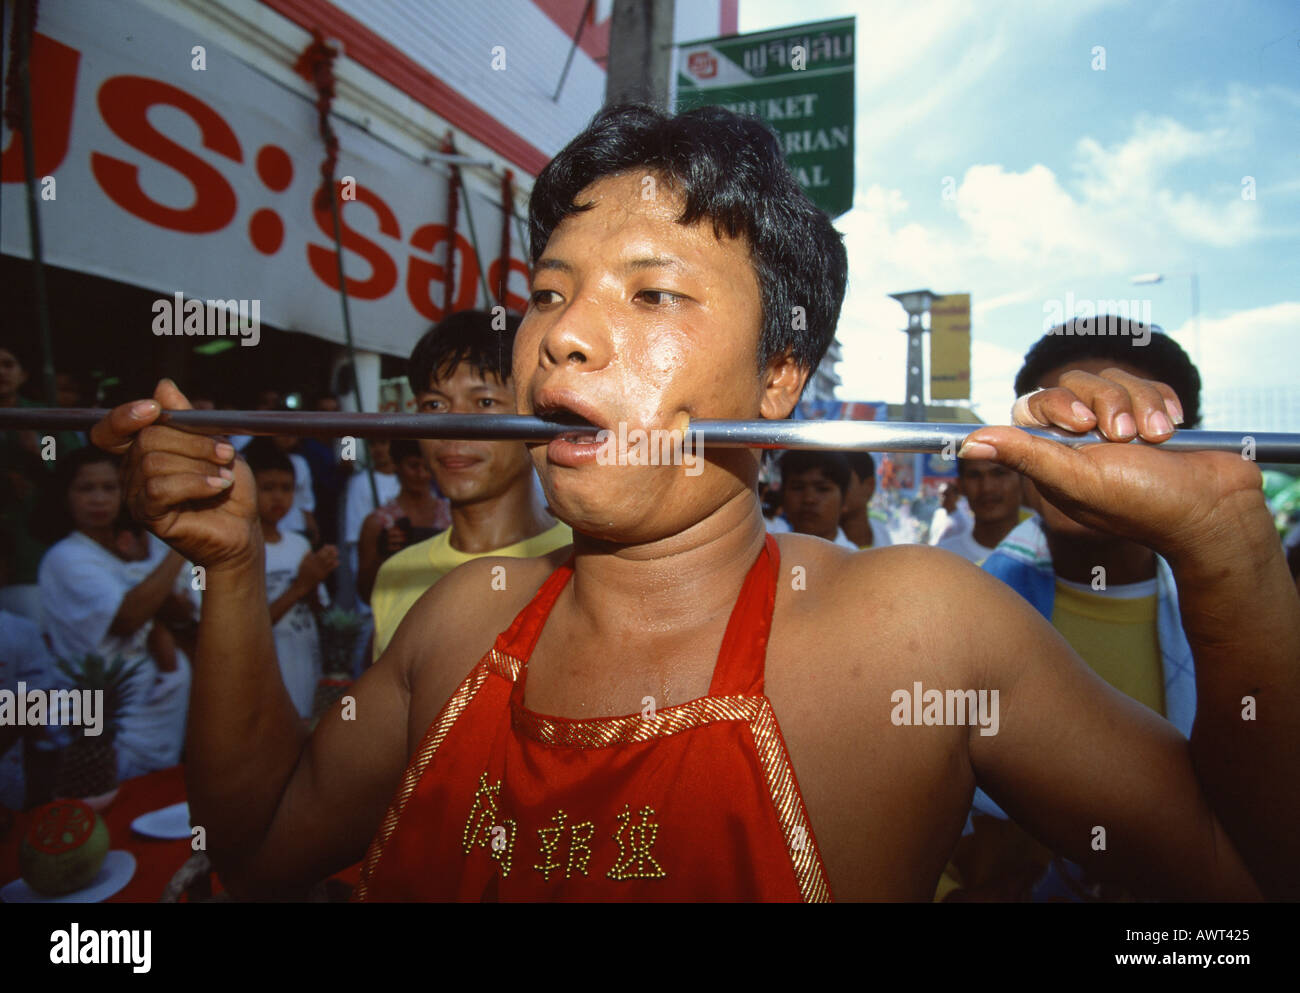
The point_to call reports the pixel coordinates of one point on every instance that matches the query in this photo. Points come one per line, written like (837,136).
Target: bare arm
(282,604)
(142,602)
(1204,512)
(321,809)
(1088,771)
(368,560)
(274,824)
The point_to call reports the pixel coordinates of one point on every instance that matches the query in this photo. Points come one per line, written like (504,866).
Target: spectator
(1113,600)
(813,487)
(994,495)
(855,519)
(416,514)
(329,474)
(302,515)
(23,658)
(293,575)
(98,597)
(462,366)
(27,461)
(953,518)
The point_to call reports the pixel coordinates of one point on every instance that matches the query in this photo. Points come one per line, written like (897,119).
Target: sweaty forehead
(635,213)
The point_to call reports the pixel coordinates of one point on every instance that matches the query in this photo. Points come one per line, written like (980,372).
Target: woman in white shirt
(101,590)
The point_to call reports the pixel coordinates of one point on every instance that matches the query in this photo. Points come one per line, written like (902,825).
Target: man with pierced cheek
(684,707)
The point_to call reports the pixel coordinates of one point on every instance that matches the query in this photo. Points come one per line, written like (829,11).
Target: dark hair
(863,464)
(730,170)
(52,519)
(262,455)
(1162,358)
(834,466)
(466,336)
(403,448)
(1293,560)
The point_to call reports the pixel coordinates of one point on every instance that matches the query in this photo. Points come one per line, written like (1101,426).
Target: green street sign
(799,80)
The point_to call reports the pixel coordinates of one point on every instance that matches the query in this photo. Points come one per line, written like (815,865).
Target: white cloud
(1229,350)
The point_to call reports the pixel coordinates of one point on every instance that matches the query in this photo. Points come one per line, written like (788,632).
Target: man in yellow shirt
(1112,599)
(462,366)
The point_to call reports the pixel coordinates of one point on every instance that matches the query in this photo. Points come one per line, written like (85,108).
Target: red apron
(693,802)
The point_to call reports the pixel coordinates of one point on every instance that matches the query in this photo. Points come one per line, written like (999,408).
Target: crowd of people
(381,538)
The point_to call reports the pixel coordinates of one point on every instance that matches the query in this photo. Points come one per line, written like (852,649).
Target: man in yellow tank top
(462,366)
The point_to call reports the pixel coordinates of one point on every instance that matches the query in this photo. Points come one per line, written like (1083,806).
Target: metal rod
(875,436)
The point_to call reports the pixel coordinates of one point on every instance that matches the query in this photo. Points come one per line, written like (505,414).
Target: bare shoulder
(456,620)
(888,613)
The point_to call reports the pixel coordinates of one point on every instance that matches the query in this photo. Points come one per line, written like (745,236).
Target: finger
(1064,475)
(1173,406)
(1057,407)
(1148,404)
(170,396)
(1108,399)
(161,495)
(175,441)
(115,432)
(161,463)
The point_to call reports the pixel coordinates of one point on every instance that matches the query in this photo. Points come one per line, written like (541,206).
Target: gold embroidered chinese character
(579,847)
(634,858)
(483,827)
(551,841)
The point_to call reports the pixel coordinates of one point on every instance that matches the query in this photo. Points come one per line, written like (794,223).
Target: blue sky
(1071,179)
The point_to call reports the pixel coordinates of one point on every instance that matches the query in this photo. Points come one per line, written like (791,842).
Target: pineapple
(88,767)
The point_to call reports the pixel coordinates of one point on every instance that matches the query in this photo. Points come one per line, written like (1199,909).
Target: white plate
(116,872)
(170,823)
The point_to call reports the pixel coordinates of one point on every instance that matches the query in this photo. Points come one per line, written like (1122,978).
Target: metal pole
(876,436)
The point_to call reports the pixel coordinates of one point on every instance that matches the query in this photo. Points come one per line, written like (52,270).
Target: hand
(315,566)
(187,488)
(1175,503)
(395,538)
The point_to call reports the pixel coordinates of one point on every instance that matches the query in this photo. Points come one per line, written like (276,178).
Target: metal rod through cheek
(874,436)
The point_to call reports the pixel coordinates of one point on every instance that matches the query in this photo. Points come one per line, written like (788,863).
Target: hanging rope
(503,264)
(316,65)
(18,115)
(473,240)
(448,147)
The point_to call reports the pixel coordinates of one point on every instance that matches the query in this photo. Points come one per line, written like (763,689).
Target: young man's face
(637,319)
(472,471)
(1056,521)
(812,503)
(274,494)
(993,491)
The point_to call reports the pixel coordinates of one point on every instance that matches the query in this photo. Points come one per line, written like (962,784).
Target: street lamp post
(916,303)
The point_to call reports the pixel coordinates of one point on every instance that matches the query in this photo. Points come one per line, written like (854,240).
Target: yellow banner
(950,347)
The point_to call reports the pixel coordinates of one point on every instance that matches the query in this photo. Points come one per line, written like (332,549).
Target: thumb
(1055,468)
(170,397)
